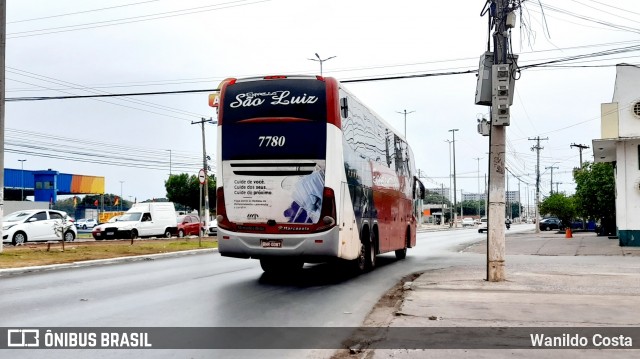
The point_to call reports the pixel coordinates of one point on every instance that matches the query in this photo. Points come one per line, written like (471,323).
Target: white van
(155,219)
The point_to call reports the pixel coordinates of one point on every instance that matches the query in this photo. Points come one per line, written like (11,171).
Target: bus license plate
(271,243)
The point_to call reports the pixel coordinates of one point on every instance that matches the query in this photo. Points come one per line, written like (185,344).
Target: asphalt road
(207,290)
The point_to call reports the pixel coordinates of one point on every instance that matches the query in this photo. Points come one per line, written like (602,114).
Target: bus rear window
(267,100)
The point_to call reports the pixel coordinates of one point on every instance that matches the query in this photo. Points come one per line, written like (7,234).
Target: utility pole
(519,202)
(405,121)
(22,179)
(501,98)
(3,45)
(204,167)
(528,212)
(580,148)
(557,183)
(551,168)
(486,195)
(453,132)
(121,199)
(478,197)
(442,210)
(537,148)
(507,202)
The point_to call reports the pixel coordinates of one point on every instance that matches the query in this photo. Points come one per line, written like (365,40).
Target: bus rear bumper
(311,247)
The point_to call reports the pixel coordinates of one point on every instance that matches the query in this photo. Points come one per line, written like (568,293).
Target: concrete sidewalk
(552,281)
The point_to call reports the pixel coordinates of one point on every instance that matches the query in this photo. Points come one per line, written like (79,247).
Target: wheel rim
(372,256)
(19,239)
(167,234)
(180,233)
(362,257)
(69,237)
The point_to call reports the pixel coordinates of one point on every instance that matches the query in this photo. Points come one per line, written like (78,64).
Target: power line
(94,91)
(81,12)
(365,79)
(123,21)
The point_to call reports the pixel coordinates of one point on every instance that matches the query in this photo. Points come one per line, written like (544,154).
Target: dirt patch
(380,317)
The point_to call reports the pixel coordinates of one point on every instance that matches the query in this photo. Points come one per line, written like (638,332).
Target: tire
(84,226)
(181,234)
(402,253)
(19,238)
(360,263)
(69,236)
(133,234)
(371,256)
(547,228)
(167,233)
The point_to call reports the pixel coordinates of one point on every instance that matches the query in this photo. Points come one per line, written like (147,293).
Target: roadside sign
(201,176)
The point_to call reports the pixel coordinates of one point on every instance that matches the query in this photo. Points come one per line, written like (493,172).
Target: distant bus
(307,173)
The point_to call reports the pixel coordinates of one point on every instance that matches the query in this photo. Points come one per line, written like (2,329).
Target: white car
(37,225)
(483,225)
(213,227)
(86,223)
(468,222)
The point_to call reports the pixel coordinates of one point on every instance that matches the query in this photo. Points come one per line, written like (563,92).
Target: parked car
(213,227)
(482,227)
(189,224)
(550,223)
(468,222)
(37,225)
(86,223)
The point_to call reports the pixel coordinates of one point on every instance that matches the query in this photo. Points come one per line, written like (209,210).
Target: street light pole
(453,132)
(121,182)
(405,121)
(478,197)
(22,179)
(450,208)
(321,61)
(205,211)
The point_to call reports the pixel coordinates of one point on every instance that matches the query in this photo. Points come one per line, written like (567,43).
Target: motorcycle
(508,223)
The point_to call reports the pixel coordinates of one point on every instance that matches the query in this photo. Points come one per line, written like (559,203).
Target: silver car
(37,225)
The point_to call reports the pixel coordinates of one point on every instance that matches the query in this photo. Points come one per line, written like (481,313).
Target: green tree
(559,205)
(595,196)
(435,198)
(184,189)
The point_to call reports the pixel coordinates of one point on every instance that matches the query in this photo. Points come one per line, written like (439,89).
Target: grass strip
(36,254)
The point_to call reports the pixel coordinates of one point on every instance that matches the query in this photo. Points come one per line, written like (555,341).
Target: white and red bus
(306,173)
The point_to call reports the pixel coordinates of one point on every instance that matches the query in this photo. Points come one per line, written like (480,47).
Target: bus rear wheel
(366,259)
(402,253)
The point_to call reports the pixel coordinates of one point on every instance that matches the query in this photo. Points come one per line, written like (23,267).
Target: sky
(73,47)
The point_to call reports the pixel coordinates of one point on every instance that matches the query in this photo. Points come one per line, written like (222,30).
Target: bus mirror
(422,191)
(344,107)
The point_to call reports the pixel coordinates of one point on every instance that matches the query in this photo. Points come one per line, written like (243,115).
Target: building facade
(620,144)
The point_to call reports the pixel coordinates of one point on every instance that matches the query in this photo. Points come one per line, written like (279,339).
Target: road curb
(50,267)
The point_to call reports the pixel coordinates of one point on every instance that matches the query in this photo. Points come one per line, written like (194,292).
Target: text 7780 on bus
(307,173)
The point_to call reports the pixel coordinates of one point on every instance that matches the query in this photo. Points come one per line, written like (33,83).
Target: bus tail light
(221,210)
(328,211)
